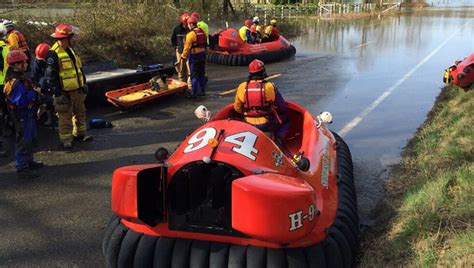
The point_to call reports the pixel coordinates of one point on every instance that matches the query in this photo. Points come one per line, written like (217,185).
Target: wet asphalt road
(59,219)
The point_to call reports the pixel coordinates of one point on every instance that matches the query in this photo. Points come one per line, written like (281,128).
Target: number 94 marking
(244,142)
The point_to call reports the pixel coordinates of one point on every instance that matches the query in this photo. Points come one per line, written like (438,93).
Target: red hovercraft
(230,197)
(461,73)
(227,48)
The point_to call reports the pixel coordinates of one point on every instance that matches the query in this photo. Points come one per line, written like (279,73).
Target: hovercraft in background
(227,48)
(461,73)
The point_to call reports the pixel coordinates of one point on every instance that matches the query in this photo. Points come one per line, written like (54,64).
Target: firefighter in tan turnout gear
(65,78)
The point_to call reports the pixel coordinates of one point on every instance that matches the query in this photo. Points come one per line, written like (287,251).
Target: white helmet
(3,30)
(255,19)
(7,23)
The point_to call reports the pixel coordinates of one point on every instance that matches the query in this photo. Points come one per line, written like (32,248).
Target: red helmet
(16,56)
(253,28)
(184,17)
(41,51)
(256,66)
(62,30)
(195,14)
(192,20)
(248,22)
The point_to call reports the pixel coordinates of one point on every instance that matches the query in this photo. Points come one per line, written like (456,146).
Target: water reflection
(368,39)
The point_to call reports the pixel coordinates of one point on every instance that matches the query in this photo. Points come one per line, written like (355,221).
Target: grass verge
(430,195)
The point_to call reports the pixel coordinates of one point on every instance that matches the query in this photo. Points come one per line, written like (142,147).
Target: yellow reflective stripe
(65,137)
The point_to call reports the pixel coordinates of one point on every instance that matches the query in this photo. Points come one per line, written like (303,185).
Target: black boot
(83,138)
(36,164)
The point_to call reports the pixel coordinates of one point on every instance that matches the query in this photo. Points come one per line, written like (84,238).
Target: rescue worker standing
(201,25)
(177,41)
(261,103)
(3,72)
(195,49)
(21,99)
(271,31)
(245,33)
(15,39)
(65,78)
(38,69)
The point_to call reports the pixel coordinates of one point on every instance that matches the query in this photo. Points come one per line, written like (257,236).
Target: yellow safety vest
(243,32)
(4,65)
(70,75)
(268,30)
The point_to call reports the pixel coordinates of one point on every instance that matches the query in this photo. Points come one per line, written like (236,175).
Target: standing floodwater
(393,67)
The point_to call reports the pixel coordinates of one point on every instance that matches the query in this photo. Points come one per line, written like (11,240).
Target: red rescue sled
(230,197)
(129,97)
(461,73)
(228,48)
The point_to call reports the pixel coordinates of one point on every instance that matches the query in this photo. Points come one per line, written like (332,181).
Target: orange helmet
(195,14)
(184,17)
(62,30)
(256,66)
(248,22)
(41,51)
(192,20)
(16,56)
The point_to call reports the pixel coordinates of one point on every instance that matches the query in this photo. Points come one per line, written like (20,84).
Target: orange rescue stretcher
(132,96)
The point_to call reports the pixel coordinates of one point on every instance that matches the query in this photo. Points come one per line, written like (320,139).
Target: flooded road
(378,77)
(393,69)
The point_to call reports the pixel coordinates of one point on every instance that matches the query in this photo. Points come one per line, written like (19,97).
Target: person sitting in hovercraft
(261,103)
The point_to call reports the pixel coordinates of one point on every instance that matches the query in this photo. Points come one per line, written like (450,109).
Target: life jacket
(201,40)
(259,29)
(8,89)
(243,32)
(70,74)
(21,40)
(3,61)
(268,30)
(255,104)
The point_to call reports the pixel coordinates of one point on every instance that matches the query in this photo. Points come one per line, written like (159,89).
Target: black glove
(85,89)
(56,92)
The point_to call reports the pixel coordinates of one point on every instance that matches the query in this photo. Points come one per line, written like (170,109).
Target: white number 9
(198,141)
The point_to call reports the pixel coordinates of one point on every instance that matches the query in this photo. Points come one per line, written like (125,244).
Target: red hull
(461,73)
(231,194)
(231,50)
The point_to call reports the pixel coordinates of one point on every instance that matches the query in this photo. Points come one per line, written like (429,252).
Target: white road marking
(352,124)
(364,44)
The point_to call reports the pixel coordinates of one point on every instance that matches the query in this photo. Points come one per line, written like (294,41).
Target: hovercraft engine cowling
(200,198)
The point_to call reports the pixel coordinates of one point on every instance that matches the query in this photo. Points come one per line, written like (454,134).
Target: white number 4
(245,142)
